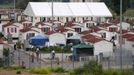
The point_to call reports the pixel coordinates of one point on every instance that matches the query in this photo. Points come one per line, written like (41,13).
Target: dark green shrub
(56,48)
(59,70)
(18,72)
(6,52)
(1,62)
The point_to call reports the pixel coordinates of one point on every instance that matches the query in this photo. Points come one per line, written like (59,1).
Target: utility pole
(120,35)
(52,27)
(14,9)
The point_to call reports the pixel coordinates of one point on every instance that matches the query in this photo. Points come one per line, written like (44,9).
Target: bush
(91,68)
(56,48)
(59,70)
(6,52)
(1,62)
(41,70)
(15,67)
(18,72)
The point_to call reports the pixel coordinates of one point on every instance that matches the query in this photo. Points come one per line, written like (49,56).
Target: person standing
(53,54)
(14,46)
(32,56)
(37,53)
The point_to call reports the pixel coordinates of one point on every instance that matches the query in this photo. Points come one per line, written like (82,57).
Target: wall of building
(102,47)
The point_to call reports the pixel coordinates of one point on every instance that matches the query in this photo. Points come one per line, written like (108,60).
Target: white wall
(57,38)
(70,31)
(125,26)
(13,34)
(102,46)
(22,36)
(128,45)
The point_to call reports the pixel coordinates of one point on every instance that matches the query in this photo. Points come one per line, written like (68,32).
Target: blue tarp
(38,40)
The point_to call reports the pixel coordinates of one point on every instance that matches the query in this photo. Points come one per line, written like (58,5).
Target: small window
(69,34)
(12,30)
(29,35)
(58,18)
(103,35)
(113,29)
(77,30)
(87,25)
(67,19)
(46,29)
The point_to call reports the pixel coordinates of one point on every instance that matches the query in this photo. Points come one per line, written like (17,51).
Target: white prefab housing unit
(57,38)
(125,26)
(103,47)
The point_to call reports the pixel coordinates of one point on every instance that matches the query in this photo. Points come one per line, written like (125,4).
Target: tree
(115,5)
(23,3)
(129,13)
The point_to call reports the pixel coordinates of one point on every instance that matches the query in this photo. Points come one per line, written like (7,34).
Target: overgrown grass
(92,68)
(58,70)
(41,70)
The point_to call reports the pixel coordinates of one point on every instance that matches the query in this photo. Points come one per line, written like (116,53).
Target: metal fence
(107,60)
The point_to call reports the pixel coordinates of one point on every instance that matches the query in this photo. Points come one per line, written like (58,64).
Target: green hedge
(59,70)
(56,49)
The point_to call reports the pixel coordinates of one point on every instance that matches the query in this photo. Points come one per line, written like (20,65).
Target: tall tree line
(23,3)
(115,5)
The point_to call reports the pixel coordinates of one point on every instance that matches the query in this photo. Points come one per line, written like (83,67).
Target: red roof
(91,38)
(1,41)
(27,29)
(123,31)
(116,21)
(61,29)
(8,24)
(69,24)
(95,29)
(86,32)
(50,32)
(132,30)
(128,35)
(105,25)
(131,39)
